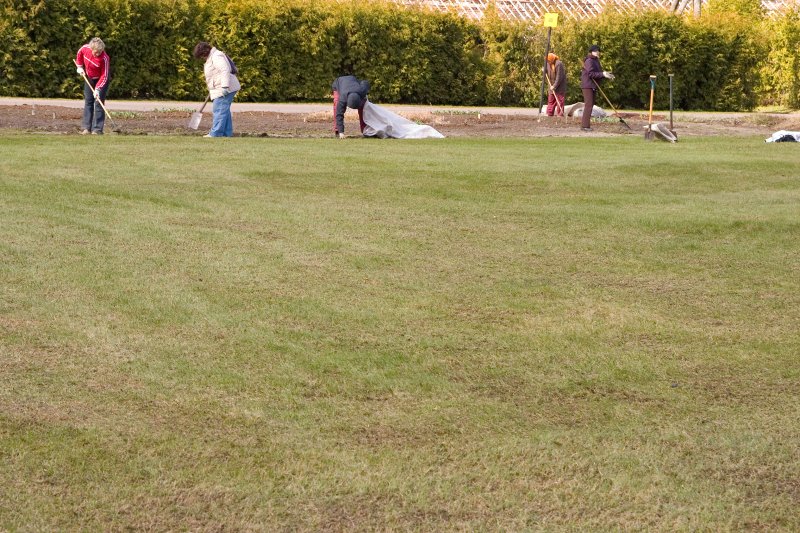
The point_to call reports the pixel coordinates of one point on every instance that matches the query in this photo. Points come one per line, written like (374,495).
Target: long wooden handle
(204,104)
(652,92)
(82,74)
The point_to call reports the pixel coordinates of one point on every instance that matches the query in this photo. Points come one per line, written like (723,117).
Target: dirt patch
(66,120)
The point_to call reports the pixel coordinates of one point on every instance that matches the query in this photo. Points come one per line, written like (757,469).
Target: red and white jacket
(96,67)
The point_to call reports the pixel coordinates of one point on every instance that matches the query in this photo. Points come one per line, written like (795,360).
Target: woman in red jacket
(93,61)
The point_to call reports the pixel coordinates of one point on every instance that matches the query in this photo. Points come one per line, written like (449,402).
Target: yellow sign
(550,20)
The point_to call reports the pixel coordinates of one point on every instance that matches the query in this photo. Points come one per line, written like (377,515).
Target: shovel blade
(659,132)
(194,121)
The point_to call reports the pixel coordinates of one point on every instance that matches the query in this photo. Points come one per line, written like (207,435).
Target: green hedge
(286,51)
(780,72)
(291,50)
(149,41)
(715,63)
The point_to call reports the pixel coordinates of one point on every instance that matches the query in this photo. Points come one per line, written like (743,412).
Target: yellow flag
(550,20)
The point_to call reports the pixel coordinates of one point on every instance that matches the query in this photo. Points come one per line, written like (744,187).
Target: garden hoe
(116,128)
(197,116)
(648,133)
(612,106)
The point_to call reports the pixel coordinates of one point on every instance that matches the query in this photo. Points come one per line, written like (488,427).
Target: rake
(612,106)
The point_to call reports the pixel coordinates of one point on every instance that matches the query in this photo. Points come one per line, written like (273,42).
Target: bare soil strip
(310,122)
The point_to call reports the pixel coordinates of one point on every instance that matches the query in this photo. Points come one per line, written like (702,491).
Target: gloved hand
(96,94)
(608,75)
(225,91)
(81,72)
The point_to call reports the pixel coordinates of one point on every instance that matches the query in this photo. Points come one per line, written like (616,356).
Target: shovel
(197,116)
(648,133)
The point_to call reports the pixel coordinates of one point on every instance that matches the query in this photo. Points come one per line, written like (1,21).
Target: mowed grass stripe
(588,333)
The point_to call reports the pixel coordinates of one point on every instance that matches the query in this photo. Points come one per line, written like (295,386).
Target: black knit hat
(353,100)
(594,48)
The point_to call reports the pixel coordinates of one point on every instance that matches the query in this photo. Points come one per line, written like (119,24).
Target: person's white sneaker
(207,136)
(85,132)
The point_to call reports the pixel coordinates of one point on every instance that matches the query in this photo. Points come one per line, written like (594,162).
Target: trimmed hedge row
(291,50)
(780,72)
(285,51)
(715,62)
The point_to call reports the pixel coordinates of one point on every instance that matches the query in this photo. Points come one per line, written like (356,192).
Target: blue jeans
(93,116)
(223,120)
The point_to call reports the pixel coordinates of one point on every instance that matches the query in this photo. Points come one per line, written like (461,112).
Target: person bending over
(556,85)
(348,91)
(93,63)
(222,82)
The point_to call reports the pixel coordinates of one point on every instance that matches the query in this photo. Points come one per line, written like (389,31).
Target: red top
(96,67)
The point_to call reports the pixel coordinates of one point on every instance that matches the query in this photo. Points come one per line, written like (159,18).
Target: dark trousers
(360,113)
(588,104)
(93,116)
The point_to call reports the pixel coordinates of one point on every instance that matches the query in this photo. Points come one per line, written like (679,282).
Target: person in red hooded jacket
(591,75)
(93,62)
(556,77)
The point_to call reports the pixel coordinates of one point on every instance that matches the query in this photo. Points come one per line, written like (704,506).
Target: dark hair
(202,50)
(594,48)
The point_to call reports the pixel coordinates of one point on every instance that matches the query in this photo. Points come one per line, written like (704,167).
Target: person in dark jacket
(348,91)
(591,75)
(556,77)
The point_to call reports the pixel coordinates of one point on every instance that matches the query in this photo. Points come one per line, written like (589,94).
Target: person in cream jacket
(220,73)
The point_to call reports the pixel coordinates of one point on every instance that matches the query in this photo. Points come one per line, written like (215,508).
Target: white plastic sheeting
(576,110)
(384,124)
(784,136)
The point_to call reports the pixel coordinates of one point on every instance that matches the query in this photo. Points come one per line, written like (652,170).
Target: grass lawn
(261,334)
